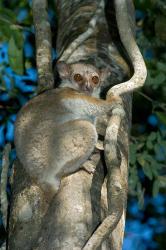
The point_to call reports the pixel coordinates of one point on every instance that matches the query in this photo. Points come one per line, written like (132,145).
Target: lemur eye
(95,79)
(78,77)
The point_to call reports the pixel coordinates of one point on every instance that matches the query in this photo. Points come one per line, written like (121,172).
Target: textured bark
(43,45)
(4,179)
(100,49)
(67,221)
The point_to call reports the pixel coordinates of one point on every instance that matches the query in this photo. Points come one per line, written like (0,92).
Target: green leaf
(160,28)
(162,181)
(7,15)
(144,157)
(149,80)
(149,144)
(159,79)
(147,171)
(18,37)
(156,188)
(133,177)
(152,136)
(140,195)
(161,67)
(155,171)
(15,57)
(132,155)
(150,140)
(161,116)
(141,160)
(145,167)
(5,31)
(159,138)
(140,145)
(159,151)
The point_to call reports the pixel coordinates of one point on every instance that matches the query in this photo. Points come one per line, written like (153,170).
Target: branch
(129,43)
(43,45)
(4,177)
(84,36)
(116,190)
(3,247)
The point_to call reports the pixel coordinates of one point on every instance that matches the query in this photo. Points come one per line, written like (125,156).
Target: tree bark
(43,45)
(87,31)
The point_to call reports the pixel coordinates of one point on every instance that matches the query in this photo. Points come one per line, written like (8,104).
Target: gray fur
(55,134)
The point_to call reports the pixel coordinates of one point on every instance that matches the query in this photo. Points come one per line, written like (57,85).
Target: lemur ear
(104,74)
(63,69)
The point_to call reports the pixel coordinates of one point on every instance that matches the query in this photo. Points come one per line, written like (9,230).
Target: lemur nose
(88,86)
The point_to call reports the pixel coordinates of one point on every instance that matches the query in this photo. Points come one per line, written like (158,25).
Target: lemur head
(85,78)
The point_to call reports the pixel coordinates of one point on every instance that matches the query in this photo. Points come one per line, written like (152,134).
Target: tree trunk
(87,31)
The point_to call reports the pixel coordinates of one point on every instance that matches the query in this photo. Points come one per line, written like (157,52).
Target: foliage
(13,25)
(146,229)
(148,141)
(17,72)
(147,156)
(148,147)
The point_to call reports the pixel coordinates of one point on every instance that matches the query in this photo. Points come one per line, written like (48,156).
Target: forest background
(146,224)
